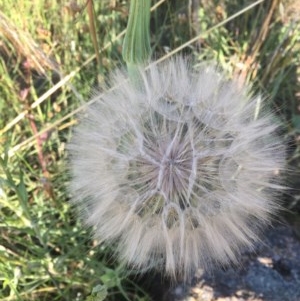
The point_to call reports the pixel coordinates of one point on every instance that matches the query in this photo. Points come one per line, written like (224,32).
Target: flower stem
(136,47)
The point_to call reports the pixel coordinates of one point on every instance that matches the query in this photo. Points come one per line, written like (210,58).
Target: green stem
(136,47)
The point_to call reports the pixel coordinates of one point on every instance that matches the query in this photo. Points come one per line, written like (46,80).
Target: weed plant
(48,69)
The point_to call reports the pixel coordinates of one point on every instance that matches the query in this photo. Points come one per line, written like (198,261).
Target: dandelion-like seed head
(178,171)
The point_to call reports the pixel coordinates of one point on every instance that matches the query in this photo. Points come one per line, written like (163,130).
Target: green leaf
(99,293)
(109,279)
(22,190)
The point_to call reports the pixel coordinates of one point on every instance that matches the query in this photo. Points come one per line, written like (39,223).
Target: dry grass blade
(39,101)
(80,108)
(195,39)
(25,45)
(249,60)
(64,80)
(90,10)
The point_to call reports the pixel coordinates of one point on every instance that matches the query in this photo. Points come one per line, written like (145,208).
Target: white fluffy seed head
(178,172)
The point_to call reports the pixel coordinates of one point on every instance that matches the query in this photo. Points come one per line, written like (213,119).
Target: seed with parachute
(178,171)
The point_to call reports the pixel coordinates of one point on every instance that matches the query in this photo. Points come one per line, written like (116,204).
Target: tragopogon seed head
(178,172)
